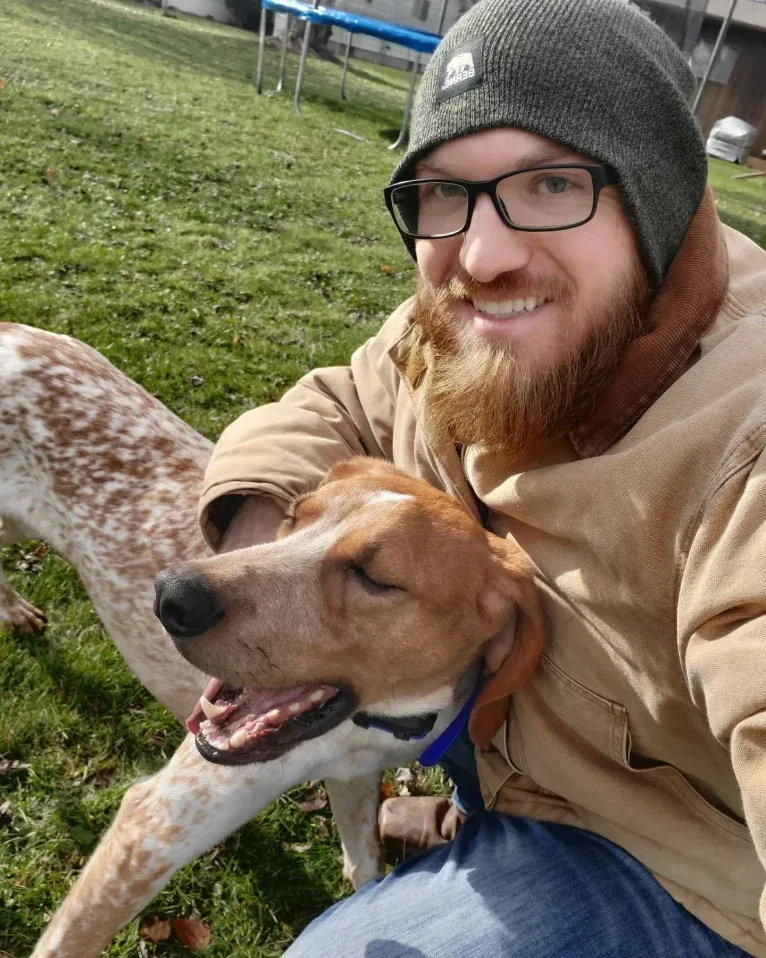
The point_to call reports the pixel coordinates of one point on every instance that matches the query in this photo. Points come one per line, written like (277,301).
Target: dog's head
(379,594)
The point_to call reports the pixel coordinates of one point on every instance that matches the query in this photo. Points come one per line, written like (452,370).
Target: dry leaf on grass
(313,801)
(192,933)
(159,930)
(299,847)
(387,790)
(7,766)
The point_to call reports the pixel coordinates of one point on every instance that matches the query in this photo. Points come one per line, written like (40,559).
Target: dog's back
(96,466)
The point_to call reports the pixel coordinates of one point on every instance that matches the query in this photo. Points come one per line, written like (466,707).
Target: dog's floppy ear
(511,598)
(359,466)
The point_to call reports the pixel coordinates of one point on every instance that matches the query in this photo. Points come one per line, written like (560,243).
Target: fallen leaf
(7,766)
(49,174)
(323,826)
(299,847)
(385,268)
(313,801)
(387,790)
(192,933)
(3,81)
(5,813)
(235,339)
(159,930)
(40,550)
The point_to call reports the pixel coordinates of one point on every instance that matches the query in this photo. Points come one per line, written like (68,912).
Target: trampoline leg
(345,67)
(302,66)
(261,50)
(407,106)
(284,56)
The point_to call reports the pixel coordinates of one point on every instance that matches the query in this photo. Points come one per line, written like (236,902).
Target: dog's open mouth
(237,726)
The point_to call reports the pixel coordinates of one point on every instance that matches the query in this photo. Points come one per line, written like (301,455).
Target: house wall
(744,95)
(212,9)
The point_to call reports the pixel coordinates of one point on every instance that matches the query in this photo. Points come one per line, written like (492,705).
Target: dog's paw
(17,613)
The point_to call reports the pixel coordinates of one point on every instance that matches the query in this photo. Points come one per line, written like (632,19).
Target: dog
(348,645)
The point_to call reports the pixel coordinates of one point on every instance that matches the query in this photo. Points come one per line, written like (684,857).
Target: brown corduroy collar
(686,305)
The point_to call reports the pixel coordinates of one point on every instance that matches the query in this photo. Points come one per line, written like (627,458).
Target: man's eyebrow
(539,157)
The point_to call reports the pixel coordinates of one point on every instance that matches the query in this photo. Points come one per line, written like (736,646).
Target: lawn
(214,247)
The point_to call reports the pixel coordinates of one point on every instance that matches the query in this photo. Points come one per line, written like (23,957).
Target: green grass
(154,206)
(741,203)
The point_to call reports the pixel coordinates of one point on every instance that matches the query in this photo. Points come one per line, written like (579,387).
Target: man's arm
(722,629)
(277,452)
(257,520)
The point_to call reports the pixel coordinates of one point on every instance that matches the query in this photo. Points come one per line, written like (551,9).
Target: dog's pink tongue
(211,693)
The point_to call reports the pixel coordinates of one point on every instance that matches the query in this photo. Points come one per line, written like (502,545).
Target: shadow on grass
(258,850)
(141,33)
(94,702)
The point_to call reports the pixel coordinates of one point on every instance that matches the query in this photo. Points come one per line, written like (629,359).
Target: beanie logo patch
(463,70)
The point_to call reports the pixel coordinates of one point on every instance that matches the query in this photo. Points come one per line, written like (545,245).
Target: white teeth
(273,715)
(210,710)
(294,707)
(507,308)
(238,739)
(317,696)
(222,746)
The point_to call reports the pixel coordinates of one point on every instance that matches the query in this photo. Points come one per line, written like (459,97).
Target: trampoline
(352,23)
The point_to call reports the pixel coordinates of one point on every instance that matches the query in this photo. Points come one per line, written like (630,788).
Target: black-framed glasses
(535,199)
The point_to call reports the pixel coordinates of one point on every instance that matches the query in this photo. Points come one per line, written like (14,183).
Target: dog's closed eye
(370,582)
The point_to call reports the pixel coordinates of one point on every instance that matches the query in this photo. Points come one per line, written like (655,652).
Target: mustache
(509,286)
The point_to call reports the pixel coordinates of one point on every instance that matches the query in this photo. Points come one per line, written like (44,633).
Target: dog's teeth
(210,710)
(294,707)
(274,715)
(317,696)
(222,746)
(238,739)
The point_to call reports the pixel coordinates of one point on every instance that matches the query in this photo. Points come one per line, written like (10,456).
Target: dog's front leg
(163,823)
(355,809)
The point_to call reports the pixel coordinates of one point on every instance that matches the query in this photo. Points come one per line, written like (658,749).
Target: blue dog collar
(439,746)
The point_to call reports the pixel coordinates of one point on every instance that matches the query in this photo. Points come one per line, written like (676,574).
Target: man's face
(535,370)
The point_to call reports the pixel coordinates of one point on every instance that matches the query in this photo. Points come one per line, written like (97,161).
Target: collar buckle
(404,727)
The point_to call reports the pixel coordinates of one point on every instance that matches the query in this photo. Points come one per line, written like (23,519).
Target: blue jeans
(514,887)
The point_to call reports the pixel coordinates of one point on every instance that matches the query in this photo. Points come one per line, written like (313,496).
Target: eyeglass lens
(536,199)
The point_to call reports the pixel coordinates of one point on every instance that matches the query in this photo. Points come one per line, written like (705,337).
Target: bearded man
(583,365)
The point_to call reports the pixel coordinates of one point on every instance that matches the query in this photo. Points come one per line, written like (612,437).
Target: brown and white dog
(379,598)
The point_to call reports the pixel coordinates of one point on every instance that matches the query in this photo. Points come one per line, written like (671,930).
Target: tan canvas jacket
(646,720)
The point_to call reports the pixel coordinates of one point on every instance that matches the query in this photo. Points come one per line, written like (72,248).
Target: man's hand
(257,520)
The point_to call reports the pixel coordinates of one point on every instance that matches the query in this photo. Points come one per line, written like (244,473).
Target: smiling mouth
(498,309)
(242,725)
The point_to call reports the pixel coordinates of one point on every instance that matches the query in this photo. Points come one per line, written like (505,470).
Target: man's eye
(448,191)
(556,184)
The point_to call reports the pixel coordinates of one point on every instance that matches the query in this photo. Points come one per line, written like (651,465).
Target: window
(724,62)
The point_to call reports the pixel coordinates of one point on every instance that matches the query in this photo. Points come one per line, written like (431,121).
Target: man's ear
(358,466)
(511,600)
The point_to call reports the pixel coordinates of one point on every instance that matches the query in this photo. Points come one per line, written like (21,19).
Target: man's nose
(490,248)
(185,602)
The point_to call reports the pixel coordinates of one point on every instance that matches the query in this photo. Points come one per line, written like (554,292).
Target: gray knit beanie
(596,76)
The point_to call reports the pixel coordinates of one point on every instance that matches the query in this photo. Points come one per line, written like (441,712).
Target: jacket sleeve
(722,628)
(284,449)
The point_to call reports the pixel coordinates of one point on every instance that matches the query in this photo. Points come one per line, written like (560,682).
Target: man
(583,366)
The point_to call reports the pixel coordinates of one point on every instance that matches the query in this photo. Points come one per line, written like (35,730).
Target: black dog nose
(185,603)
